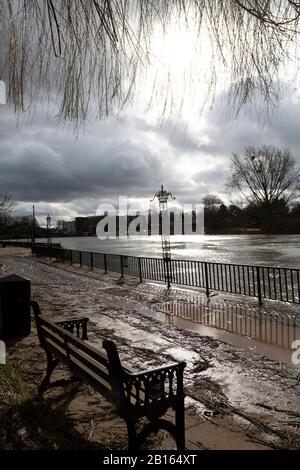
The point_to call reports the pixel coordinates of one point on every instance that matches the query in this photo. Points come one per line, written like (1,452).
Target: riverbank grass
(29,423)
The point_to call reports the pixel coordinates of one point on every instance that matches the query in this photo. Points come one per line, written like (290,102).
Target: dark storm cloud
(46,164)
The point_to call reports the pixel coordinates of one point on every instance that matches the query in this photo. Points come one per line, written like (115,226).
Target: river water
(272,250)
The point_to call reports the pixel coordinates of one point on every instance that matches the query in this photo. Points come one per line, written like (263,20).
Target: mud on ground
(235,399)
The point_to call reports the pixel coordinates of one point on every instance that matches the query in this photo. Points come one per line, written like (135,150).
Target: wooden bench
(148,394)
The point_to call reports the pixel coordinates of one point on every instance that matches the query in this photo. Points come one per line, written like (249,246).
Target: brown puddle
(268,334)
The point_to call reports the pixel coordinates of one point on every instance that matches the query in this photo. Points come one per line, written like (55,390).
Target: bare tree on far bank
(87,52)
(6,208)
(6,205)
(267,179)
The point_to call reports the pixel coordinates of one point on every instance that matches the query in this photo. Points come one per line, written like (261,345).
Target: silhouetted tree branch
(264,176)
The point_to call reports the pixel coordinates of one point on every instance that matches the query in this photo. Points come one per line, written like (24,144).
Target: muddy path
(235,398)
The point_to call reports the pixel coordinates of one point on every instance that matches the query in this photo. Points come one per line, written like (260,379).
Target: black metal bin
(14,307)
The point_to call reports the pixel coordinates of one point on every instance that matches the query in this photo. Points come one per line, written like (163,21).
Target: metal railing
(262,282)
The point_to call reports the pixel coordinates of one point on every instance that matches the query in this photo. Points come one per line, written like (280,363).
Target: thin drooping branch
(89,53)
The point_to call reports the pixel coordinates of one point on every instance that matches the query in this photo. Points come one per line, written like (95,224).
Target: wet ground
(267,330)
(235,397)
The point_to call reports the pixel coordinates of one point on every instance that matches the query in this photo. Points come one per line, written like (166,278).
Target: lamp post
(49,238)
(163,196)
(33,226)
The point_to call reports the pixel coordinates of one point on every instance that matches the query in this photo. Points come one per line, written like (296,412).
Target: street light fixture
(49,238)
(163,196)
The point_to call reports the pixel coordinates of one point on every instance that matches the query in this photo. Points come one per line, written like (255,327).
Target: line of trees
(239,218)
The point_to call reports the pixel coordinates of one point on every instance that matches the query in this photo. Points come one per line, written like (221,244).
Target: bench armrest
(76,326)
(173,365)
(148,386)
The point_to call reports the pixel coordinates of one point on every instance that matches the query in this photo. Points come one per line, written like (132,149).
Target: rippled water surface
(273,250)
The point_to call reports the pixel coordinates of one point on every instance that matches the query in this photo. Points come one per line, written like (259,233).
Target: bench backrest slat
(56,349)
(89,363)
(86,361)
(56,336)
(97,354)
(93,379)
(54,341)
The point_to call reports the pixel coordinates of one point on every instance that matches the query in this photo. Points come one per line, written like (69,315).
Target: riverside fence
(273,328)
(263,282)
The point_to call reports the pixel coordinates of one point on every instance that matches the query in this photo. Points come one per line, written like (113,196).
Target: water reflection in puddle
(269,334)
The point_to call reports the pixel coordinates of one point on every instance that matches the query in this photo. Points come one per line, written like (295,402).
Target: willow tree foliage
(83,53)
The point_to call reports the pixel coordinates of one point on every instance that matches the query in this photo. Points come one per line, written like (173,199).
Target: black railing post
(105,264)
(258,285)
(71,257)
(80,258)
(167,272)
(140,270)
(206,279)
(122,266)
(50,252)
(92,260)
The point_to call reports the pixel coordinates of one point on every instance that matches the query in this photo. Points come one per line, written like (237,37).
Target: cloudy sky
(68,174)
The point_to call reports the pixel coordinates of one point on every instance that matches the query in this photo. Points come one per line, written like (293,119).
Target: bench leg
(153,427)
(180,426)
(51,364)
(131,430)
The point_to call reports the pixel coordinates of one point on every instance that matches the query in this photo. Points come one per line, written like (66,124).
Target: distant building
(66,226)
(87,225)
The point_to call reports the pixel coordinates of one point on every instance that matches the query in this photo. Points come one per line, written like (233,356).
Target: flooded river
(272,250)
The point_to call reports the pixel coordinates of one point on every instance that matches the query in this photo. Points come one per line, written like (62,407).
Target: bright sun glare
(172,80)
